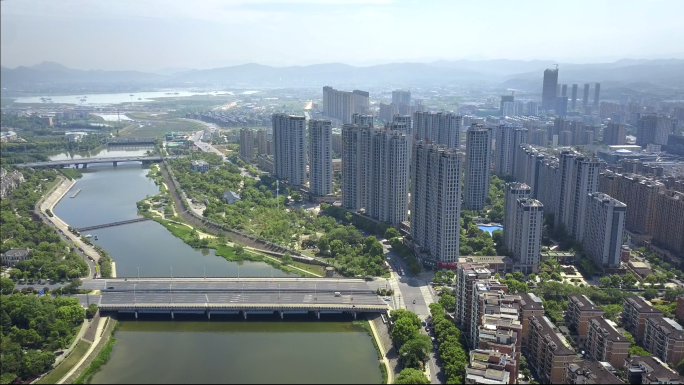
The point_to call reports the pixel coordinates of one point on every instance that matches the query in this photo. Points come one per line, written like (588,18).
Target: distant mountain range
(517,74)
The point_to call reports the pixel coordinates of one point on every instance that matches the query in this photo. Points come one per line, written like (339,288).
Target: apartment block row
(343,104)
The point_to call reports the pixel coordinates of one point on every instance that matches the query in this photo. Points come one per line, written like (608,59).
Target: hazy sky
(155,34)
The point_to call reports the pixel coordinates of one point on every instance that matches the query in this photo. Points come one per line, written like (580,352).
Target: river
(108,194)
(232,351)
(124,97)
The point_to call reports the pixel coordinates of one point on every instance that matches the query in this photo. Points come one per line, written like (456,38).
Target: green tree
(416,350)
(403,331)
(639,351)
(6,286)
(680,367)
(448,302)
(403,313)
(650,293)
(323,245)
(411,376)
(392,233)
(287,258)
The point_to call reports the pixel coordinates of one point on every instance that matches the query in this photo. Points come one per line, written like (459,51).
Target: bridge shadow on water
(253,318)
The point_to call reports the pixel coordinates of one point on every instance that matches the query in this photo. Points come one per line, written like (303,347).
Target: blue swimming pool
(490,229)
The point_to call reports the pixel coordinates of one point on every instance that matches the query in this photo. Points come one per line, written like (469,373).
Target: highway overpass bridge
(236,296)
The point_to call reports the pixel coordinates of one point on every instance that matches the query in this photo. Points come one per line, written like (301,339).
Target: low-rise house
(12,256)
(200,166)
(231,197)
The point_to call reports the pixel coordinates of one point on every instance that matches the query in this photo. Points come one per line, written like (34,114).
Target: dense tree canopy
(19,228)
(411,376)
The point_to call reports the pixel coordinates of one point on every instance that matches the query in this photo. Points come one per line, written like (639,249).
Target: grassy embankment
(71,173)
(101,359)
(364,324)
(60,371)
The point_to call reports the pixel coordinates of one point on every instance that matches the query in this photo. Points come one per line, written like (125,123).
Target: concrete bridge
(236,296)
(102,226)
(131,141)
(86,161)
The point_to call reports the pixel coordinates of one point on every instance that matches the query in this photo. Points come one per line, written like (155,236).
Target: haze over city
(154,35)
(342,191)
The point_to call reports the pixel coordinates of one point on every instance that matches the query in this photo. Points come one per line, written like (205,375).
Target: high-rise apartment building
(467,275)
(507,140)
(337,144)
(362,120)
(653,129)
(527,234)
(585,99)
(573,104)
(549,89)
(401,97)
(505,99)
(441,128)
(402,123)
(580,310)
(478,155)
(262,142)
(615,134)
(387,112)
(585,172)
(343,104)
(605,224)
(289,149)
(561,106)
(564,90)
(436,200)
(375,172)
(246,144)
(320,157)
(532,108)
(514,191)
(669,226)
(597,94)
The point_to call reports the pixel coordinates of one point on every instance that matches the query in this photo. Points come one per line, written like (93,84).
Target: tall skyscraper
(574,97)
(262,141)
(507,141)
(441,128)
(436,200)
(549,89)
(564,90)
(514,191)
(581,181)
(597,93)
(478,152)
(375,172)
(585,100)
(529,217)
(289,149)
(401,97)
(246,144)
(343,104)
(605,224)
(320,157)
(504,99)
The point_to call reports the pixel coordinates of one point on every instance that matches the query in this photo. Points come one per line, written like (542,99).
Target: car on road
(387,299)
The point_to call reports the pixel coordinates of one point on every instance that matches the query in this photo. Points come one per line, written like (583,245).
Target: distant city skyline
(155,35)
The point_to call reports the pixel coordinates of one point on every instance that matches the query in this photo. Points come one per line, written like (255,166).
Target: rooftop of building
(667,326)
(653,368)
(23,252)
(593,372)
(583,303)
(640,304)
(550,336)
(608,329)
(529,301)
